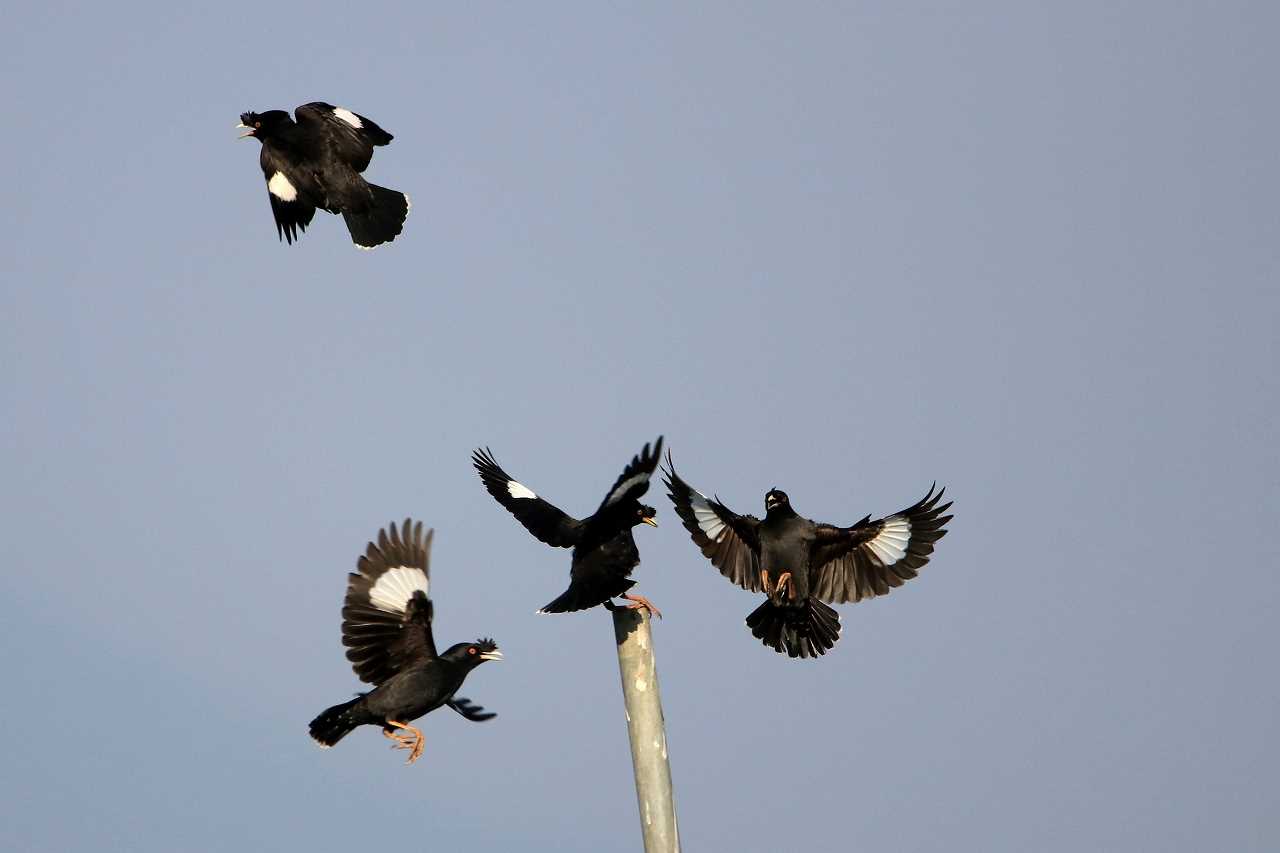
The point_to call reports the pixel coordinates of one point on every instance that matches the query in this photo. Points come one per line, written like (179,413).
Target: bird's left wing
(730,541)
(470,710)
(348,136)
(290,192)
(871,557)
(634,480)
(540,517)
(386,615)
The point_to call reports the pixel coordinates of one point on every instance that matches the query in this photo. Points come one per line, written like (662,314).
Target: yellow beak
(652,522)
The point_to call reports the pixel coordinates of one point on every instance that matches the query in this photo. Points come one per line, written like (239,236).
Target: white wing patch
(708,522)
(280,187)
(349,117)
(890,544)
(519,490)
(626,486)
(395,587)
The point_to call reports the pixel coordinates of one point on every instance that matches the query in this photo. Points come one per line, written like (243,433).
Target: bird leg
(641,603)
(784,582)
(764,581)
(414,742)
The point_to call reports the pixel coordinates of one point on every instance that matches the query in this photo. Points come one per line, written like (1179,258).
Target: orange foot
(414,742)
(642,603)
(784,582)
(764,581)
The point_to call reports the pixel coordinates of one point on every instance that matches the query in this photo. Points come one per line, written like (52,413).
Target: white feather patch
(519,490)
(890,544)
(280,187)
(349,117)
(626,486)
(394,587)
(708,522)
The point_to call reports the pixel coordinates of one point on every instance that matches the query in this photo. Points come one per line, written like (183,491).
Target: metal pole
(647,730)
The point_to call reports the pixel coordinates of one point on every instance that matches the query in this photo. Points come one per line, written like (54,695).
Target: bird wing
(634,480)
(871,557)
(730,541)
(348,136)
(541,518)
(386,615)
(470,710)
(292,203)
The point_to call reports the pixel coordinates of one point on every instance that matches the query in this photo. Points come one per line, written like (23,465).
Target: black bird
(316,162)
(604,551)
(812,563)
(386,627)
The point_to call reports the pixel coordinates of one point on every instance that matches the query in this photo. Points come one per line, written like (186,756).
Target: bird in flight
(802,565)
(604,551)
(315,162)
(386,627)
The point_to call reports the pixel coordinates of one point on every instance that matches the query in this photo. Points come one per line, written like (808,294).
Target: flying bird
(604,551)
(386,627)
(315,162)
(802,565)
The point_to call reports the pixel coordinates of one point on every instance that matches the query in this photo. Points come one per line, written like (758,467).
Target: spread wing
(386,616)
(470,710)
(346,135)
(545,521)
(634,480)
(290,191)
(730,541)
(872,557)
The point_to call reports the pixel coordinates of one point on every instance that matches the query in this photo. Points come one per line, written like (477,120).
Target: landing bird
(316,162)
(386,627)
(604,551)
(799,564)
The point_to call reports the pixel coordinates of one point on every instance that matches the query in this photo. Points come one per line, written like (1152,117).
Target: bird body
(604,549)
(804,565)
(386,627)
(315,162)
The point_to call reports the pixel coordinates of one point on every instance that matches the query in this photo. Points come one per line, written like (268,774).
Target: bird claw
(764,581)
(642,603)
(413,742)
(784,582)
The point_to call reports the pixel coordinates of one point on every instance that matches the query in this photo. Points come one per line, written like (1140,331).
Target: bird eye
(471,651)
(257,124)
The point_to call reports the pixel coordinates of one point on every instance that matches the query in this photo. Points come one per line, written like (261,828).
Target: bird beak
(248,131)
(493,655)
(651,521)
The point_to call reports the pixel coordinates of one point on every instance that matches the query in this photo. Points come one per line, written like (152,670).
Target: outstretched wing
(290,191)
(470,710)
(872,557)
(348,136)
(386,616)
(730,541)
(634,480)
(542,519)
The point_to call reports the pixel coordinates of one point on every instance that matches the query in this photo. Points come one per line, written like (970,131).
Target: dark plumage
(386,627)
(316,162)
(800,564)
(604,551)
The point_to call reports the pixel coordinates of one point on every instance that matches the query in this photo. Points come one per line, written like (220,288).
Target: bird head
(775,499)
(261,125)
(645,515)
(475,653)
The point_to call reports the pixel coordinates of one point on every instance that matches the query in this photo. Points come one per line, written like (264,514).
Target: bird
(802,565)
(386,627)
(315,162)
(604,551)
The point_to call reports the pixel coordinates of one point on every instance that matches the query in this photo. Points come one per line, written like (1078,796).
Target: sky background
(843,249)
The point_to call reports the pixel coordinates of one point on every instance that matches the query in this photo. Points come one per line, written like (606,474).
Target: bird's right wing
(541,518)
(730,541)
(386,615)
(470,710)
(348,136)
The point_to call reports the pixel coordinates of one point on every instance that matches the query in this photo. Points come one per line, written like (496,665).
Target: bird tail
(581,595)
(382,221)
(337,722)
(800,632)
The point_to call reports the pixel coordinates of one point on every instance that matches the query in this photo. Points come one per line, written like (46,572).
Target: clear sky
(842,249)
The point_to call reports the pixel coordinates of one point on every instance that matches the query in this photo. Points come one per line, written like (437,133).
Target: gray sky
(844,250)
